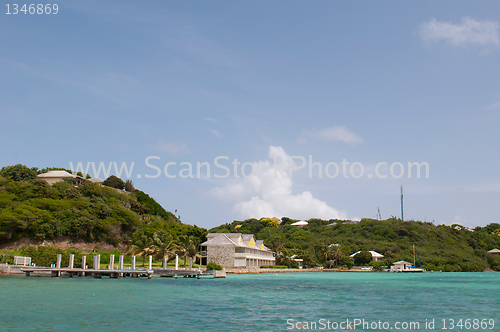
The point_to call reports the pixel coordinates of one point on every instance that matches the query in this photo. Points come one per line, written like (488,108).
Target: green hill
(31,208)
(439,247)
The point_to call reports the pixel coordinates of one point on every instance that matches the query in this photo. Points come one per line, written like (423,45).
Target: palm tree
(334,253)
(141,246)
(188,247)
(164,246)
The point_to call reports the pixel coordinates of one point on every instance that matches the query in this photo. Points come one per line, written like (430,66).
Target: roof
(402,262)
(96,180)
(374,254)
(494,251)
(219,239)
(300,223)
(228,239)
(56,174)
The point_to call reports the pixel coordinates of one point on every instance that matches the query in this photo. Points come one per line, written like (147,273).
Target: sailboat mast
(414,255)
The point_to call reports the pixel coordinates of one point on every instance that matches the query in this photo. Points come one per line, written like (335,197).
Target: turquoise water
(248,302)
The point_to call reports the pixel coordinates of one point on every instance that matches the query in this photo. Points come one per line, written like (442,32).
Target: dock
(172,273)
(120,272)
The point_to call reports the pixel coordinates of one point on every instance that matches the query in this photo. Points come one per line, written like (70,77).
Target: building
(96,181)
(376,257)
(400,266)
(494,252)
(52,177)
(300,224)
(236,250)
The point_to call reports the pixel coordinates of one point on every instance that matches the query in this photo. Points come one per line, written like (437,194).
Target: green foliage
(213,266)
(19,173)
(114,182)
(153,206)
(90,212)
(274,267)
(129,186)
(362,258)
(347,261)
(438,247)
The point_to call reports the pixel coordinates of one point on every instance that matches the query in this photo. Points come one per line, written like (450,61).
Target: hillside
(30,208)
(439,247)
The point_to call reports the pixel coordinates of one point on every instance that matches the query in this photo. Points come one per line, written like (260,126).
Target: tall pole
(402,216)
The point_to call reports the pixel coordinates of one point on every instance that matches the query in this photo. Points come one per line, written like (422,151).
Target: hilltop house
(52,177)
(235,250)
(494,252)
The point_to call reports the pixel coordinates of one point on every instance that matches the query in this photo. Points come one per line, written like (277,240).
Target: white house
(52,177)
(236,250)
(376,257)
(300,224)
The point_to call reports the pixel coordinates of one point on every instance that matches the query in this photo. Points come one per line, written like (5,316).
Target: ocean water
(255,302)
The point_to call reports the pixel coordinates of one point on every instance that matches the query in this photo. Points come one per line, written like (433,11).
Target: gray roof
(402,262)
(220,239)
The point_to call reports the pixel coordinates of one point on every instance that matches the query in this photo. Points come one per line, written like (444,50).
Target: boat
(406,267)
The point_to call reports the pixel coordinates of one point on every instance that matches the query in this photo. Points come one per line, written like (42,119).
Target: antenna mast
(402,216)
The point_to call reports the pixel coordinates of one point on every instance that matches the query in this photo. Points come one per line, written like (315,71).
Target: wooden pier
(118,272)
(96,273)
(172,273)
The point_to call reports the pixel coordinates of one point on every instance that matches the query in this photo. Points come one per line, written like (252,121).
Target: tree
(142,245)
(362,258)
(129,186)
(114,182)
(19,173)
(334,253)
(164,245)
(347,261)
(187,247)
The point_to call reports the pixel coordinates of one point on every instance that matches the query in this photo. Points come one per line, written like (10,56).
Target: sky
(274,85)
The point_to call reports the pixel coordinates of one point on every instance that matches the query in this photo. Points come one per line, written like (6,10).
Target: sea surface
(253,302)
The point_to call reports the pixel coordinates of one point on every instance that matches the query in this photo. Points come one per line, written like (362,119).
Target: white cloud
(267,195)
(169,147)
(469,33)
(331,134)
(216,133)
(211,120)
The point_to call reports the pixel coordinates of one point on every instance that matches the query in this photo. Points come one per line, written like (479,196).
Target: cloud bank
(269,195)
(469,33)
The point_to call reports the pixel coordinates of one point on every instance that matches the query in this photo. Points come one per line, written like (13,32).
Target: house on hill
(52,177)
(494,252)
(235,250)
(376,257)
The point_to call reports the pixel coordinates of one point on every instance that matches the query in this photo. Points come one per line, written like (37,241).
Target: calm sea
(253,302)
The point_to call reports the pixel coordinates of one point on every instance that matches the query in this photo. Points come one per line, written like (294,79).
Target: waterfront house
(376,257)
(52,177)
(236,250)
(400,265)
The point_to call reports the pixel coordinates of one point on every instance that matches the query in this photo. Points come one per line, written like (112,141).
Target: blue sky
(368,82)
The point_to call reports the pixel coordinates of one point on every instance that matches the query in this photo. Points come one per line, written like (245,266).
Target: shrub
(274,267)
(362,258)
(213,266)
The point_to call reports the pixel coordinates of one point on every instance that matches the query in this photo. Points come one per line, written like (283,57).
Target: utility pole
(402,216)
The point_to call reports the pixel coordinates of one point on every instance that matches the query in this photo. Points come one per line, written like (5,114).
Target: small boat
(406,267)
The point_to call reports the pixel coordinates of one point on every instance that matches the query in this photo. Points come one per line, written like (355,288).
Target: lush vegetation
(329,243)
(213,266)
(31,208)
